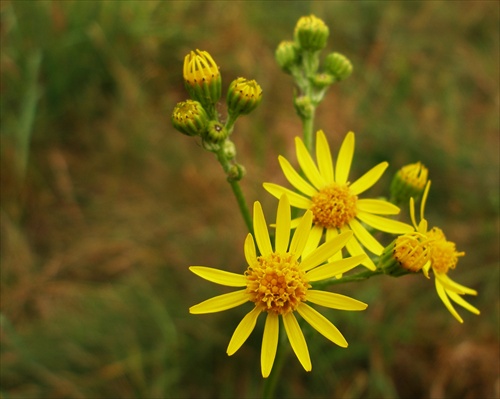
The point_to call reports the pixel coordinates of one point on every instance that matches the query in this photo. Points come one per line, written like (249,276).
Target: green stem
(307,129)
(240,198)
(235,186)
(349,279)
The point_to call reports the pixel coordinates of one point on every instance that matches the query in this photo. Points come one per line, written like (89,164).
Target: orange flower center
(334,206)
(412,251)
(276,283)
(444,255)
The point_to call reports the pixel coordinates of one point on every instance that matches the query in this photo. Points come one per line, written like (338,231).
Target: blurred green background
(104,205)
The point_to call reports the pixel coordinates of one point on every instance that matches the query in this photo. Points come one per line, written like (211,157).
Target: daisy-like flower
(333,199)
(442,257)
(278,283)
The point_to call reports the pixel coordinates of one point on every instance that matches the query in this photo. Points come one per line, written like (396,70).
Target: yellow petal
(313,241)
(269,344)
(283,219)
(330,235)
(324,251)
(368,179)
(260,230)
(322,324)
(344,159)
(453,286)
(335,268)
(384,224)
(307,165)
(243,331)
(249,249)
(324,157)
(442,294)
(354,249)
(462,302)
(301,235)
(296,200)
(219,276)
(297,340)
(335,301)
(220,303)
(378,207)
(294,178)
(365,238)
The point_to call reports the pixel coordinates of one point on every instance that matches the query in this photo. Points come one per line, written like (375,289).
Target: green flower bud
(216,133)
(229,149)
(243,96)
(408,182)
(338,66)
(303,106)
(409,253)
(311,33)
(190,118)
(322,80)
(287,55)
(202,78)
(236,172)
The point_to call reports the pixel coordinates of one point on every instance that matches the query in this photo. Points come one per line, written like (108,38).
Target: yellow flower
(443,256)
(278,282)
(333,200)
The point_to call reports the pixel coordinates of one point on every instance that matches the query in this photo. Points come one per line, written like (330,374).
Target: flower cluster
(336,225)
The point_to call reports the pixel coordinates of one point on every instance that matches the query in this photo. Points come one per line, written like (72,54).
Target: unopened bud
(311,33)
(338,66)
(408,182)
(216,133)
(287,55)
(243,96)
(190,118)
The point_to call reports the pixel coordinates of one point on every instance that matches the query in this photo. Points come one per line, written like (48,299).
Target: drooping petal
(442,294)
(221,277)
(335,268)
(283,219)
(324,157)
(307,165)
(369,178)
(365,238)
(243,331)
(249,249)
(220,303)
(324,251)
(335,301)
(296,200)
(297,340)
(322,324)
(376,206)
(313,241)
(260,230)
(462,302)
(269,344)
(354,249)
(301,234)
(453,286)
(344,159)
(384,224)
(294,178)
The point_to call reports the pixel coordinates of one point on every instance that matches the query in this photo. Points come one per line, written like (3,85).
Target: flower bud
(303,106)
(338,66)
(190,118)
(236,172)
(311,33)
(409,253)
(243,96)
(202,78)
(287,55)
(408,182)
(229,149)
(322,80)
(216,133)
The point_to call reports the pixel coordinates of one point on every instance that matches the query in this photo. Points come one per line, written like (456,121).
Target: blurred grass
(104,205)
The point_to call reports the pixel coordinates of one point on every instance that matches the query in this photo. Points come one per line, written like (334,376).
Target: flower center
(334,206)
(276,284)
(444,255)
(412,251)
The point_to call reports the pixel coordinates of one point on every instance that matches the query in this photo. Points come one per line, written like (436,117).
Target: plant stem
(307,129)
(240,198)
(349,279)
